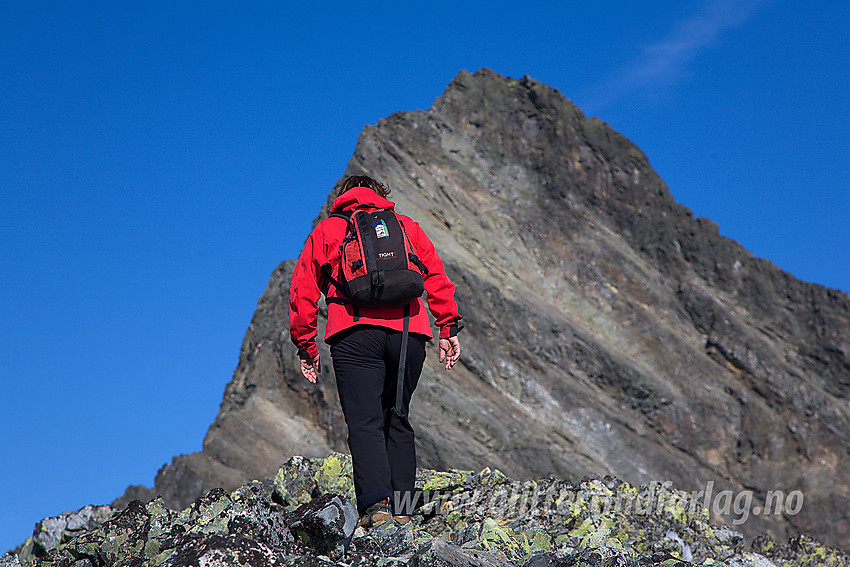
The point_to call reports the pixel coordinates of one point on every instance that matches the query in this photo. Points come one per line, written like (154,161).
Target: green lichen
(208,515)
(560,128)
(499,540)
(493,477)
(161,558)
(447,480)
(152,548)
(125,543)
(800,550)
(539,542)
(456,520)
(335,475)
(596,532)
(25,555)
(162,519)
(293,484)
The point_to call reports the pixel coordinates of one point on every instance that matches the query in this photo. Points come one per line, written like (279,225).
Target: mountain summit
(608,331)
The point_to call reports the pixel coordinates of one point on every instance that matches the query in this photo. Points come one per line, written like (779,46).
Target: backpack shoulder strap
(326,268)
(412,255)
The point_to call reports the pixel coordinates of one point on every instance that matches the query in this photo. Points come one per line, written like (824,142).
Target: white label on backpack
(381,230)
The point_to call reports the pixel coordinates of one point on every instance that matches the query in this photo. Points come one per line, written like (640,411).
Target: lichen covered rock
(51,532)
(304,516)
(300,479)
(223,550)
(325,524)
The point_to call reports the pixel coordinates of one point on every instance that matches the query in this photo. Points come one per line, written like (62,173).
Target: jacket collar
(360,196)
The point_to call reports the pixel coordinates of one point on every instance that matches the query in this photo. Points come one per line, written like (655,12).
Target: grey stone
(750,560)
(438,553)
(324,524)
(232,550)
(50,532)
(392,539)
(254,515)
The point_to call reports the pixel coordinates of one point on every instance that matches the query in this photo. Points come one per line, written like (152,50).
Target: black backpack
(377,263)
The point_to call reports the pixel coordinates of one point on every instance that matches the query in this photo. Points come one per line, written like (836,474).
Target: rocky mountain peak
(608,331)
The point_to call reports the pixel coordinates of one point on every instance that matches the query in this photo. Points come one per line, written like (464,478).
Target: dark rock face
(461,519)
(608,330)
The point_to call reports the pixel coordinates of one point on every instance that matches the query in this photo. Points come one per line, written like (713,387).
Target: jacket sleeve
(304,294)
(440,289)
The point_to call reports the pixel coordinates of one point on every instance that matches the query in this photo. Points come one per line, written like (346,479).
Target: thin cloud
(663,62)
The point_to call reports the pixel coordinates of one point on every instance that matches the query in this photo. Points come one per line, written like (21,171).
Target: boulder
(325,524)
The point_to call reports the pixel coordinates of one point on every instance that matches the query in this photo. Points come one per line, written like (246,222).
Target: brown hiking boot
(376,514)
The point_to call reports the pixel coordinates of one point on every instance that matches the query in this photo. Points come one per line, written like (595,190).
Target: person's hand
(449,351)
(309,368)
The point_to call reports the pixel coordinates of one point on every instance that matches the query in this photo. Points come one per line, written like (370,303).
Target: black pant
(365,360)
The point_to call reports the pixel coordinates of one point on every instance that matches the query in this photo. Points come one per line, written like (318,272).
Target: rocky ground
(304,516)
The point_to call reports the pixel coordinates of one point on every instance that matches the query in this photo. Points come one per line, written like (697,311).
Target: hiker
(366,341)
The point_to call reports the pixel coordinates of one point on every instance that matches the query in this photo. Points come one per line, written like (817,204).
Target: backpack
(379,267)
(377,263)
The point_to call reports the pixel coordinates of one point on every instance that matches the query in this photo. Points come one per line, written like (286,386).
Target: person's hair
(353,181)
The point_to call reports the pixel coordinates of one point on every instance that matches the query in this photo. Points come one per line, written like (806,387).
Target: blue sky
(160,159)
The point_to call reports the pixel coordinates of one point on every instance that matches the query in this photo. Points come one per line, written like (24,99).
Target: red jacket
(323,246)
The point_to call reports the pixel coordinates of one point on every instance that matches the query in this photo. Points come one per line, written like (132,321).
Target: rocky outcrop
(461,518)
(608,331)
